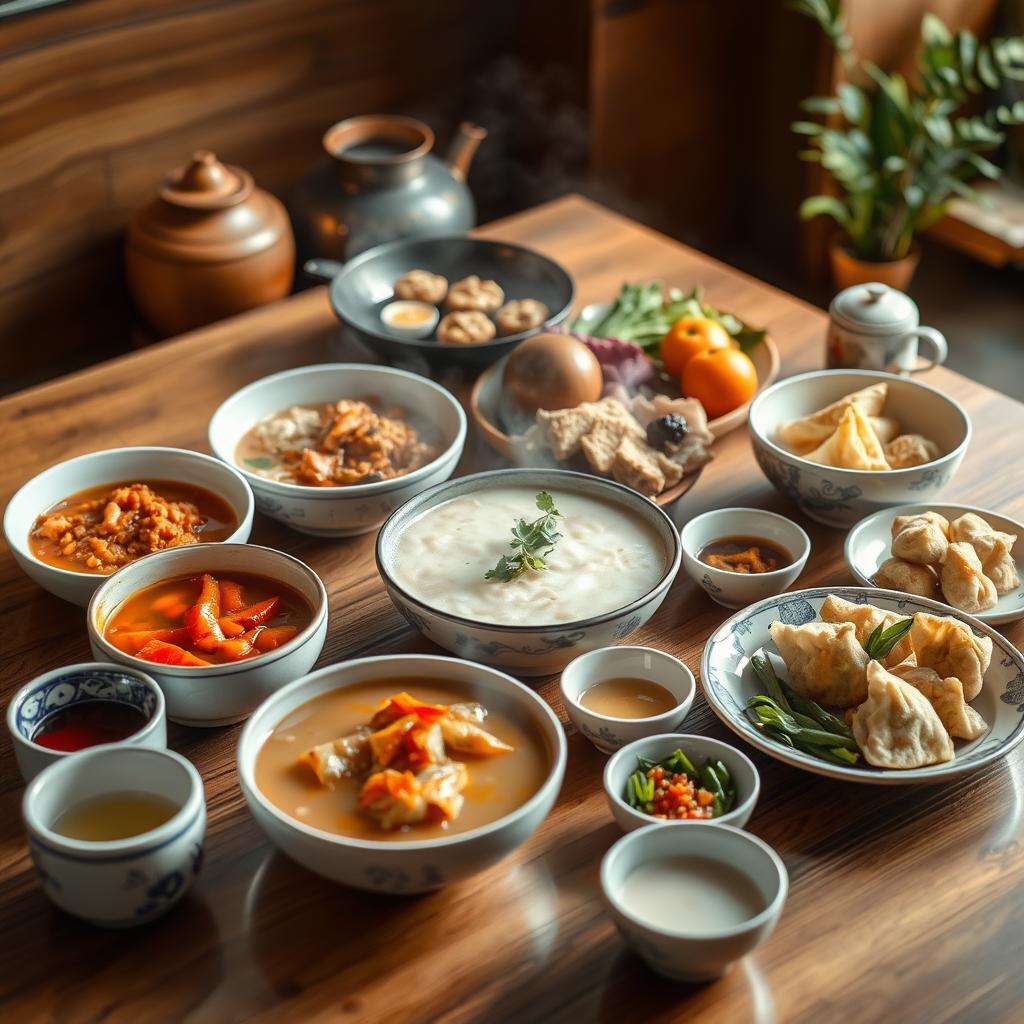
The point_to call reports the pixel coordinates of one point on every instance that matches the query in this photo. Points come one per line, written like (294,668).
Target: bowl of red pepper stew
(680,778)
(77,707)
(220,627)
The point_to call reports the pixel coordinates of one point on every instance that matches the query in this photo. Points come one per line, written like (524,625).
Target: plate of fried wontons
(944,700)
(970,558)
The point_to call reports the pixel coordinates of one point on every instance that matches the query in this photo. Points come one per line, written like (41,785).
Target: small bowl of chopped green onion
(680,779)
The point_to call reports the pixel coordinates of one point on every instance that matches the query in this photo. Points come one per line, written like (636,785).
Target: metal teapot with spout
(380,182)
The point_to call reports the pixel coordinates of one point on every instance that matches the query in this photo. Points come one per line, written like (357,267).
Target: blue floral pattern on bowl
(729,681)
(76,687)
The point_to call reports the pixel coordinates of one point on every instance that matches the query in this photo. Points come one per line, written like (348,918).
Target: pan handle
(325,270)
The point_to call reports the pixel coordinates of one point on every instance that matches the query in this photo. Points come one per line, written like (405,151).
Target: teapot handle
(324,270)
(934,345)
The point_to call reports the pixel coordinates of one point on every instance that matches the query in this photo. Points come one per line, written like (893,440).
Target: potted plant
(898,151)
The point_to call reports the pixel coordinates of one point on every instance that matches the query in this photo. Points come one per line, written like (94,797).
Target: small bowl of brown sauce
(615,695)
(743,555)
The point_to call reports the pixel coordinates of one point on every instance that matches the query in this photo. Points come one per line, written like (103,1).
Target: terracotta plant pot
(848,270)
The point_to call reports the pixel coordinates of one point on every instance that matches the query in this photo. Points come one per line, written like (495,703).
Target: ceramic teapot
(208,245)
(380,182)
(875,327)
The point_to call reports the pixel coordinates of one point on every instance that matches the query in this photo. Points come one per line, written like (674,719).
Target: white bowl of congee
(525,569)
(401,774)
(333,450)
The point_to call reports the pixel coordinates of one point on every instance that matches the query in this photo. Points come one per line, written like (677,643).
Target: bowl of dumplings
(446,301)
(844,444)
(970,558)
(944,698)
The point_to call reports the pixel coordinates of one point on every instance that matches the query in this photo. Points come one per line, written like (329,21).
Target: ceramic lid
(208,211)
(874,309)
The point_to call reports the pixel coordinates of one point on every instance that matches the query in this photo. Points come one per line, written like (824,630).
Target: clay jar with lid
(208,245)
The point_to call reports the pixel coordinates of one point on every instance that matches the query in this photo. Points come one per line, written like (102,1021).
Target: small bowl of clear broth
(742,555)
(616,695)
(116,833)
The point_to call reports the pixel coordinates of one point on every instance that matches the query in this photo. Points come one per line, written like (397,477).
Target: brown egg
(548,371)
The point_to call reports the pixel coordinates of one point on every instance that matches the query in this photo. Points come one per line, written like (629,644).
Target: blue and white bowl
(729,681)
(528,650)
(47,694)
(358,508)
(839,497)
(119,883)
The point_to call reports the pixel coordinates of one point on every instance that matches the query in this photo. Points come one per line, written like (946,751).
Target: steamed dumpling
(825,661)
(854,445)
(964,585)
(806,433)
(910,450)
(946,696)
(994,549)
(910,578)
(866,618)
(922,538)
(897,727)
(952,649)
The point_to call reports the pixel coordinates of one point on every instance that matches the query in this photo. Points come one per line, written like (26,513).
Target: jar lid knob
(206,184)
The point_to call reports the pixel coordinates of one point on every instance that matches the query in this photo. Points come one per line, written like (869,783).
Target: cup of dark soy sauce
(82,706)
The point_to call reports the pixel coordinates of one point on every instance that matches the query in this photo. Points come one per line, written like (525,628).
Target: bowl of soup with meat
(82,520)
(218,626)
(525,569)
(333,450)
(402,773)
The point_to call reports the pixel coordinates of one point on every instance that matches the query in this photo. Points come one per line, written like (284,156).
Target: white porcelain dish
(609,734)
(839,497)
(698,749)
(421,329)
(417,865)
(869,543)
(528,650)
(736,589)
(728,680)
(683,954)
(113,466)
(360,508)
(53,691)
(219,694)
(119,883)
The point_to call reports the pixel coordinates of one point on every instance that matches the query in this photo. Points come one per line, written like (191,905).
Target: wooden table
(905,903)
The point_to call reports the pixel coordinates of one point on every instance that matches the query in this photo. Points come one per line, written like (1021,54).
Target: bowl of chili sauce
(82,706)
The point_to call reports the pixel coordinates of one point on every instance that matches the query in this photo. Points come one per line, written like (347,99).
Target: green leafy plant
(531,542)
(897,150)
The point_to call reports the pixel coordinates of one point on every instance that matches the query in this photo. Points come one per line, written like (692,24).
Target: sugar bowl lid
(874,308)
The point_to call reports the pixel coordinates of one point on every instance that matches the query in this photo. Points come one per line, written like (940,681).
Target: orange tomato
(721,380)
(689,337)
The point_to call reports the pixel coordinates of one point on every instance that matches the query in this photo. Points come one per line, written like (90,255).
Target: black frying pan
(361,287)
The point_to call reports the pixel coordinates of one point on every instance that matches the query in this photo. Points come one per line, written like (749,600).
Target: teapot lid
(206,184)
(874,308)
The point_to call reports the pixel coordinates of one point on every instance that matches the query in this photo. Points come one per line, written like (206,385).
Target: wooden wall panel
(99,99)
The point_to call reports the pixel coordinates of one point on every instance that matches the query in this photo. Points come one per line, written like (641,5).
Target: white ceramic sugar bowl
(875,327)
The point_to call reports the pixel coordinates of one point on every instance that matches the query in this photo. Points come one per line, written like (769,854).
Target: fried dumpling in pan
(952,649)
(897,727)
(806,433)
(922,538)
(964,584)
(853,445)
(866,618)
(910,578)
(825,660)
(994,548)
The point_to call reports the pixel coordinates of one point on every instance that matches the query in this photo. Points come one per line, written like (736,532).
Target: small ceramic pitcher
(875,327)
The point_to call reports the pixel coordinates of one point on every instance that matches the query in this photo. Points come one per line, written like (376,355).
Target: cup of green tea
(116,833)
